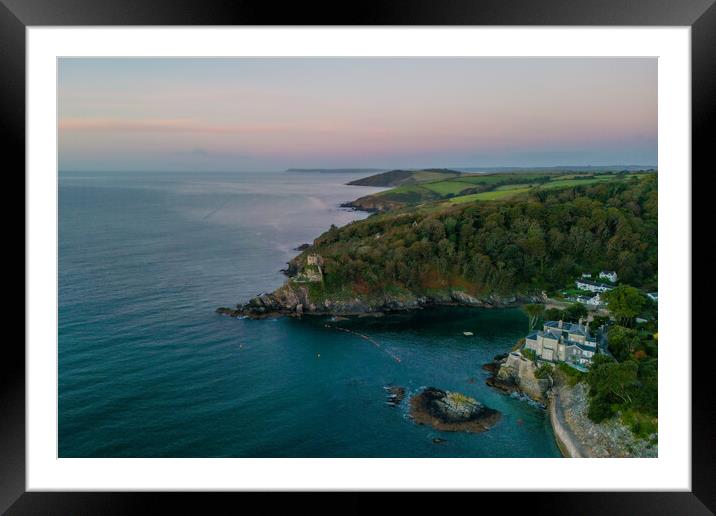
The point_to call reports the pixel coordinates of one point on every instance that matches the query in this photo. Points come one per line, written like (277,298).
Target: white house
(592,286)
(586,275)
(595,300)
(608,275)
(563,342)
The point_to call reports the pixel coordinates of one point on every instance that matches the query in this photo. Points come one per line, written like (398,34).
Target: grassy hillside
(480,187)
(527,239)
(404,177)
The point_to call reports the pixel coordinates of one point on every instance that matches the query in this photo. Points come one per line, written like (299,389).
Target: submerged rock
(395,395)
(452,411)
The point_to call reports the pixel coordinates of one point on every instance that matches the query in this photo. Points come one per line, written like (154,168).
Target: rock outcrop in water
(451,411)
(395,395)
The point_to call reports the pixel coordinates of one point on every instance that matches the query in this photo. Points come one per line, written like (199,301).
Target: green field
(493,195)
(512,187)
(490,187)
(447,187)
(425,175)
(564,183)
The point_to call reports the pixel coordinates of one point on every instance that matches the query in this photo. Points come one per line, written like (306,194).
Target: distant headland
(339,170)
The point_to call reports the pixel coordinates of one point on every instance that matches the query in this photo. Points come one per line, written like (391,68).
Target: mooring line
(366,337)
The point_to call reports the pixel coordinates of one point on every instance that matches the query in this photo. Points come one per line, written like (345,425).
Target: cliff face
(373,203)
(519,372)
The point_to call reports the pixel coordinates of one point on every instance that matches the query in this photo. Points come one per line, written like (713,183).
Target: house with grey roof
(590,301)
(560,341)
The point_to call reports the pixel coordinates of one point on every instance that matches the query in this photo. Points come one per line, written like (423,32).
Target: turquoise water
(147,369)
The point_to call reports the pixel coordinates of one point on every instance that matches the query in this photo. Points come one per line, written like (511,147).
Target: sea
(146,368)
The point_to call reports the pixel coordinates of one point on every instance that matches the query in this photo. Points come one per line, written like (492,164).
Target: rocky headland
(296,300)
(516,373)
(451,411)
(304,294)
(372,204)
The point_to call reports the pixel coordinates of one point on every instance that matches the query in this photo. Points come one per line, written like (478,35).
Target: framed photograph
(409,249)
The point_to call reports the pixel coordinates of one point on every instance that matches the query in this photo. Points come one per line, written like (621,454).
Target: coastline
(566,440)
(294,299)
(575,434)
(578,436)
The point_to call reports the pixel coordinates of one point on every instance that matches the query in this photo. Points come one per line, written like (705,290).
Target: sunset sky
(275,113)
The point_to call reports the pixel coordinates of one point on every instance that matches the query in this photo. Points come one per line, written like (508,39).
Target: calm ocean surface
(147,369)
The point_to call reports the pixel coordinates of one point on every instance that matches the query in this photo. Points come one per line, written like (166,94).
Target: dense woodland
(627,384)
(538,241)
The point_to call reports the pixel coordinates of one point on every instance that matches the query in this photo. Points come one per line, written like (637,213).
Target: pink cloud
(165,125)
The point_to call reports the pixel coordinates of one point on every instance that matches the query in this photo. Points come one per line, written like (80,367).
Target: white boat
(468,333)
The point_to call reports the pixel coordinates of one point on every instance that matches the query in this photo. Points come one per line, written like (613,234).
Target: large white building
(563,342)
(592,286)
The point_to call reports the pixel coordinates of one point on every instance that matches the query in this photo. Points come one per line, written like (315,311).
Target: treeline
(628,383)
(540,241)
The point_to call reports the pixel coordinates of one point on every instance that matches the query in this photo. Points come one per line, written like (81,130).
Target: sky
(253,114)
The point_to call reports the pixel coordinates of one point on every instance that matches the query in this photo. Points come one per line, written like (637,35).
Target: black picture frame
(16,15)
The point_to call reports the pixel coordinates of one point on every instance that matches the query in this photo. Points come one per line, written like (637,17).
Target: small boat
(468,333)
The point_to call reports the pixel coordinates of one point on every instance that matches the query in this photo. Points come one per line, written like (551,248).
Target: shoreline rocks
(516,374)
(293,299)
(451,411)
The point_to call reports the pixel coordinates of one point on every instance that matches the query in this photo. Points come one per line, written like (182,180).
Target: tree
(612,381)
(599,321)
(625,303)
(534,311)
(623,342)
(575,311)
(553,314)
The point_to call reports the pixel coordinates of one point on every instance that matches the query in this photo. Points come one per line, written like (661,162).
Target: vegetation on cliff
(627,384)
(537,241)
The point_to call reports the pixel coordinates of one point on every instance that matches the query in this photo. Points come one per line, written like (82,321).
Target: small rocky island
(451,411)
